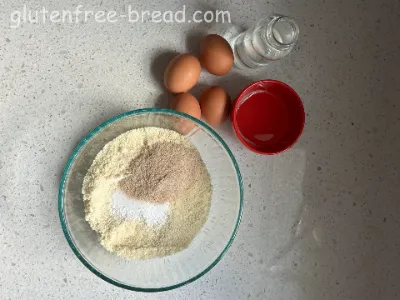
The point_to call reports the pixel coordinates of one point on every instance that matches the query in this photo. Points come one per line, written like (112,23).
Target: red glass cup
(268,117)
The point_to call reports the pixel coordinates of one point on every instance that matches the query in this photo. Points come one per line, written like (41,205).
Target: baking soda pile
(147,193)
(133,209)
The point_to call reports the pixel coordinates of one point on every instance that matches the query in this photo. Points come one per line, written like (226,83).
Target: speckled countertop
(321,221)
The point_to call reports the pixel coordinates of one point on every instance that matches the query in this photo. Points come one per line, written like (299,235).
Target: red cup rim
(236,127)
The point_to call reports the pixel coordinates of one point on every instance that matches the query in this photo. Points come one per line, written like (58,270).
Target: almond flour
(169,187)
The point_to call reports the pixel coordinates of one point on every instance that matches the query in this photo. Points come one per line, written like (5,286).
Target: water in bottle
(270,39)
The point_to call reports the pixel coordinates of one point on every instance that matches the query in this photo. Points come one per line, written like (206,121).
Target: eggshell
(187,104)
(182,73)
(215,105)
(216,54)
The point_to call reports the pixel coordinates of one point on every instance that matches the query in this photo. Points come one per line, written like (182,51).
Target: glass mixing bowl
(210,244)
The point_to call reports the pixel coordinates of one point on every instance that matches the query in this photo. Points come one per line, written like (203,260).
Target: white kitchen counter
(320,221)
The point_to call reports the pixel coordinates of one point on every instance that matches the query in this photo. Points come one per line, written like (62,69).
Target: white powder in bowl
(133,209)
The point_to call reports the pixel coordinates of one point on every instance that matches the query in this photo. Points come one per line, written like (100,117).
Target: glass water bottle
(270,39)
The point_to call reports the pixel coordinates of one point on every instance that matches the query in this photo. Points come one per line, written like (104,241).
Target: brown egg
(215,105)
(187,104)
(182,73)
(216,54)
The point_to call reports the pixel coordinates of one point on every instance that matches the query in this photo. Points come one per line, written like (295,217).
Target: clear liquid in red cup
(268,117)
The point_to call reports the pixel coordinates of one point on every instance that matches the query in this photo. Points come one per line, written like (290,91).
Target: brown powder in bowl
(161,173)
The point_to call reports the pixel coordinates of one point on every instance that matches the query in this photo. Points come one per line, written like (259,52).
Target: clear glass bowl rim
(78,148)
